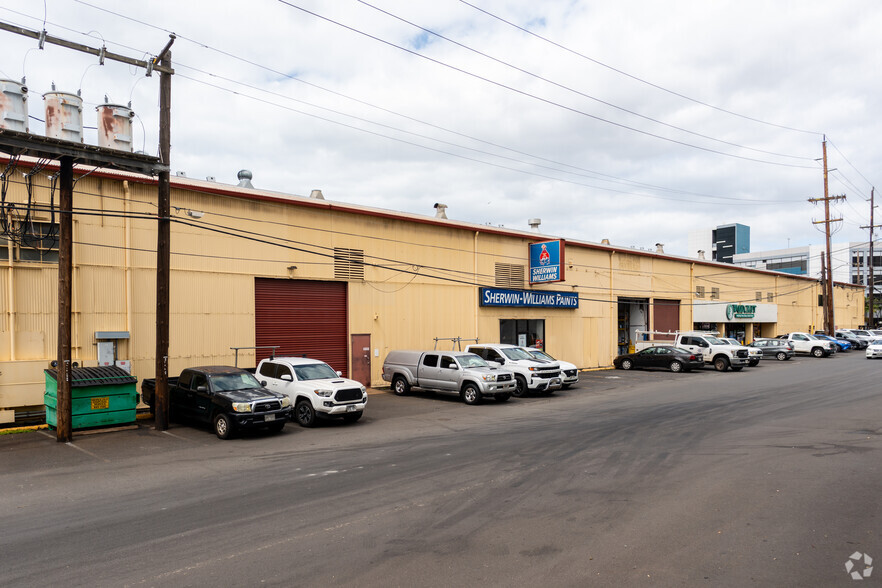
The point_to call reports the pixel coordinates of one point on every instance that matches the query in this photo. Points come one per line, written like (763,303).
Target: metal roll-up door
(666,316)
(304,318)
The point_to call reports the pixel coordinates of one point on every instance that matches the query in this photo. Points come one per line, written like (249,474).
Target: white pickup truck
(531,374)
(809,344)
(314,388)
(455,372)
(720,354)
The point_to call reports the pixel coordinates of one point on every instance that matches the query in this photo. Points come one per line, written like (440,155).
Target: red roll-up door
(666,317)
(303,318)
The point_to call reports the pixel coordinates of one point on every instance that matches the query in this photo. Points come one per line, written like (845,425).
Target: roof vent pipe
(659,247)
(317,194)
(439,210)
(245,179)
(534,224)
(701,254)
(605,242)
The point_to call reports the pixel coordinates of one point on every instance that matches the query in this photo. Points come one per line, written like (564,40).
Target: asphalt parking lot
(768,476)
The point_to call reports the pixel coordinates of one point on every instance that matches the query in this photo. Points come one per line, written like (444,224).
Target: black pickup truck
(229,398)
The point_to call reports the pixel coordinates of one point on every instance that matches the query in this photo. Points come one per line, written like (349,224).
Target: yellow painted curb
(22,429)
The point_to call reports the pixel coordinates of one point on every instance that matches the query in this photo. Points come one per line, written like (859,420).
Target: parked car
(315,389)
(843,344)
(862,335)
(721,354)
(777,348)
(229,398)
(454,372)
(569,373)
(531,374)
(874,349)
(805,343)
(664,356)
(852,338)
(754,355)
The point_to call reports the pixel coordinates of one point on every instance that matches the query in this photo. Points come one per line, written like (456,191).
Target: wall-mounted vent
(715,293)
(348,264)
(509,275)
(699,291)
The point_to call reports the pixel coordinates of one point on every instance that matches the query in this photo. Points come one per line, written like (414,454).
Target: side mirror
(339,374)
(493,363)
(286,377)
(263,383)
(202,388)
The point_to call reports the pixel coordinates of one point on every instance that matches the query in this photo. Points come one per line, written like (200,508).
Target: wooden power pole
(63,408)
(871,280)
(163,246)
(829,319)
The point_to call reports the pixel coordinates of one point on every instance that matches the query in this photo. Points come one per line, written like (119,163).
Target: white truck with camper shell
(315,389)
(719,353)
(454,372)
(531,374)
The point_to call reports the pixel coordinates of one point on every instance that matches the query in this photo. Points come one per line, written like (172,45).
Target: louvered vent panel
(348,264)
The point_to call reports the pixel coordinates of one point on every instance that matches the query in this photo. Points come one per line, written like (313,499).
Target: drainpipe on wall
(477,288)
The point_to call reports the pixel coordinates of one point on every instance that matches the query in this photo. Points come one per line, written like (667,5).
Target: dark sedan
(777,348)
(663,356)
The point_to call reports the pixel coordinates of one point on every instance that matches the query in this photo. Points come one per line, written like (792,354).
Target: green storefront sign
(741,311)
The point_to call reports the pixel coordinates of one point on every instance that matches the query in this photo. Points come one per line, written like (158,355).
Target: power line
(535,97)
(633,77)
(574,91)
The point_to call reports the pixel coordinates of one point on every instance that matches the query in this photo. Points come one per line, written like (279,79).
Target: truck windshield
(314,371)
(236,381)
(471,360)
(540,355)
(515,353)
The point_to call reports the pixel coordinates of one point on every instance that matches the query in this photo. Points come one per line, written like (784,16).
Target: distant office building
(720,244)
(806,261)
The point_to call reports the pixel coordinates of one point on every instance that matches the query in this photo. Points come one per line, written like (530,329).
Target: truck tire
(351,417)
(753,362)
(781,356)
(400,387)
(304,414)
(502,397)
(470,394)
(223,426)
(721,363)
(817,352)
(676,366)
(520,387)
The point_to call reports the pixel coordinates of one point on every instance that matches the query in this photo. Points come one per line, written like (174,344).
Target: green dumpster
(100,396)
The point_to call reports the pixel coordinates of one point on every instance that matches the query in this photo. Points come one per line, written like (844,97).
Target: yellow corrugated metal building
(404,280)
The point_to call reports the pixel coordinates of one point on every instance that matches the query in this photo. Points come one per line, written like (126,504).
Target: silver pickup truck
(454,372)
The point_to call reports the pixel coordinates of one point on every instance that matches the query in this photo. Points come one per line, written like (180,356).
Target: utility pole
(64,406)
(829,321)
(162,64)
(871,281)
(163,245)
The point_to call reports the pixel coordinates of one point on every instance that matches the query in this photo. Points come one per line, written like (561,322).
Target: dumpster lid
(95,376)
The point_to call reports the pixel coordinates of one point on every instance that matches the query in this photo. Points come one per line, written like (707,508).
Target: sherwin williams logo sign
(740,311)
(546,262)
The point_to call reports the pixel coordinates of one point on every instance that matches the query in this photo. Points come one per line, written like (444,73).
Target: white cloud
(804,65)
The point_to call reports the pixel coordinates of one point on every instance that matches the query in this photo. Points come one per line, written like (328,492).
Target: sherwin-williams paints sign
(546,262)
(528,298)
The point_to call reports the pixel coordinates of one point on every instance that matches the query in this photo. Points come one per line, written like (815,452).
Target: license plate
(350,408)
(269,417)
(100,403)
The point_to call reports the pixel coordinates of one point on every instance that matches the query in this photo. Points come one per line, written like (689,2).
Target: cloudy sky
(637,121)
